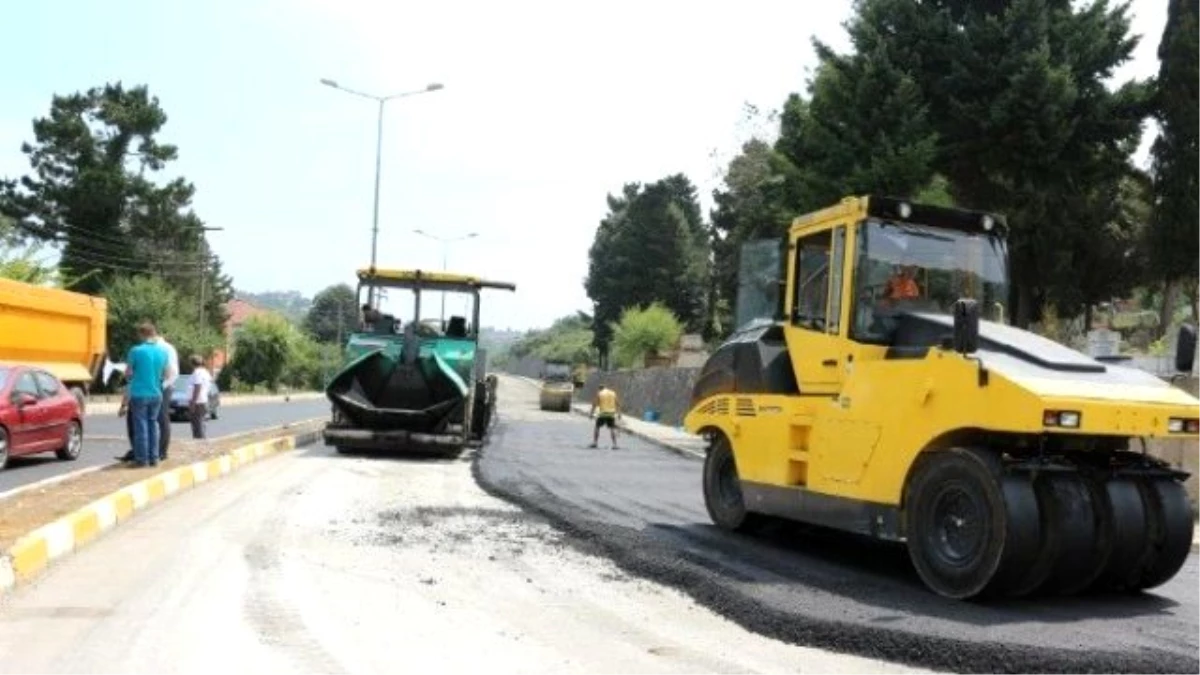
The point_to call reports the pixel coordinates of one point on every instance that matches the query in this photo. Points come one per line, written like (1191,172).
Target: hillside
(290,304)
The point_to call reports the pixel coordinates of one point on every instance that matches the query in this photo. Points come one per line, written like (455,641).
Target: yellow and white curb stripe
(25,559)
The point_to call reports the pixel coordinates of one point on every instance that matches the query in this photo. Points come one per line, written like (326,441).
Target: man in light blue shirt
(146,367)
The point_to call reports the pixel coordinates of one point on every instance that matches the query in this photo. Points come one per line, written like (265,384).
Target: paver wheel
(72,442)
(723,490)
(956,522)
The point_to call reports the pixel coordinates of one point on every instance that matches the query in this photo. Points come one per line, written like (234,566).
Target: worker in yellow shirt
(610,412)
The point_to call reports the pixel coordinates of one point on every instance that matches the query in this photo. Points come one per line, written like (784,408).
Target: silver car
(181,399)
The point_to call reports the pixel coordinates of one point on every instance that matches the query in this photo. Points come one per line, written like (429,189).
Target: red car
(37,414)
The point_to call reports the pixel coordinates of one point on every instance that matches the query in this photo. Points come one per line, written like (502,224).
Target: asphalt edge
(31,554)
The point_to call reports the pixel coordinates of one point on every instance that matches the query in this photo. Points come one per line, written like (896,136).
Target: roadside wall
(668,391)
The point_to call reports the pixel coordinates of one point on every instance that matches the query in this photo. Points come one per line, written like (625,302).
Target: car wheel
(3,447)
(73,443)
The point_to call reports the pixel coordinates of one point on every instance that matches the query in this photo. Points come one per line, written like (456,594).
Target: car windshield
(904,267)
(4,373)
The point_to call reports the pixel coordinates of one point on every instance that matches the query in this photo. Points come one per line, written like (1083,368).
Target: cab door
(816,269)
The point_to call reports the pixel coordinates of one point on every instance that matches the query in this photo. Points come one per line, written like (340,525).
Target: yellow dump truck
(63,332)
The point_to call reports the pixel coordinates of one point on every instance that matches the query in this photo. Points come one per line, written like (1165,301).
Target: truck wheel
(956,522)
(723,491)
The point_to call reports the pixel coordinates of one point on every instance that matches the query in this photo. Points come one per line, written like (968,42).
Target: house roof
(240,311)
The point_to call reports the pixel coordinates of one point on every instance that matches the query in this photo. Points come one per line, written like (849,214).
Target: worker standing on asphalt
(200,383)
(610,411)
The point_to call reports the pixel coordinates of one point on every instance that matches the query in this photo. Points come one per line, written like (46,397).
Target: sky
(547,107)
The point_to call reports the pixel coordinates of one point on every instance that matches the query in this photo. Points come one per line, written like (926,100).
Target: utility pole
(433,86)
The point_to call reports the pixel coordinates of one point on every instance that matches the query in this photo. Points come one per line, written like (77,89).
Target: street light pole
(381,100)
(446,241)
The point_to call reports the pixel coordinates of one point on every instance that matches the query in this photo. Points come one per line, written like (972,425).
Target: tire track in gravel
(809,586)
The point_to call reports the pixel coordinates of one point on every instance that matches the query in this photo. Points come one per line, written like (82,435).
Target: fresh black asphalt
(642,507)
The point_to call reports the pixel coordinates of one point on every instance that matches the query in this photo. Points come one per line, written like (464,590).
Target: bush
(642,331)
(262,351)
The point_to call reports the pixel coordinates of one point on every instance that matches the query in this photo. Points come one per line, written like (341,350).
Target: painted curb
(33,552)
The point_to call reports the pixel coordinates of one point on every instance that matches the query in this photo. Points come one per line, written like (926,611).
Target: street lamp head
(434,86)
(329,83)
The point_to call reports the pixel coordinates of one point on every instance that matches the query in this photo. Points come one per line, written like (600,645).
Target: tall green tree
(652,246)
(90,192)
(1025,124)
(333,315)
(1174,234)
(748,206)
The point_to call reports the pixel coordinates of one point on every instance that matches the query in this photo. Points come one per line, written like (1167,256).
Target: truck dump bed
(63,332)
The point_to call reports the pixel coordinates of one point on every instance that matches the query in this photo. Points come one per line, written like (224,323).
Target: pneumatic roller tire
(956,521)
(1171,531)
(1129,529)
(723,491)
(1071,521)
(1023,537)
(1088,516)
(1041,566)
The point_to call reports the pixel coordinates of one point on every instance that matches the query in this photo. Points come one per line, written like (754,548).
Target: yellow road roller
(557,389)
(888,397)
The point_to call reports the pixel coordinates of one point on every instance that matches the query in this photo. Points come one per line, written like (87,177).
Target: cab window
(810,302)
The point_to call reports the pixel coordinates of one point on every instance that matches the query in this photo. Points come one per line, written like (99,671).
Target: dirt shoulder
(26,511)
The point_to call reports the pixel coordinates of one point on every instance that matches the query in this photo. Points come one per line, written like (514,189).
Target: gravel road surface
(104,437)
(313,562)
(643,508)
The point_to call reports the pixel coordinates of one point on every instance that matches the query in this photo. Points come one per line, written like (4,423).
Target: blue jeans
(144,412)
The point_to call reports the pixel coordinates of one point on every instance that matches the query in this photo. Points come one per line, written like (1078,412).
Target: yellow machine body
(835,435)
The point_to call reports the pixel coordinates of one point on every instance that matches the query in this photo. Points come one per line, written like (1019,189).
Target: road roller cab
(888,397)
